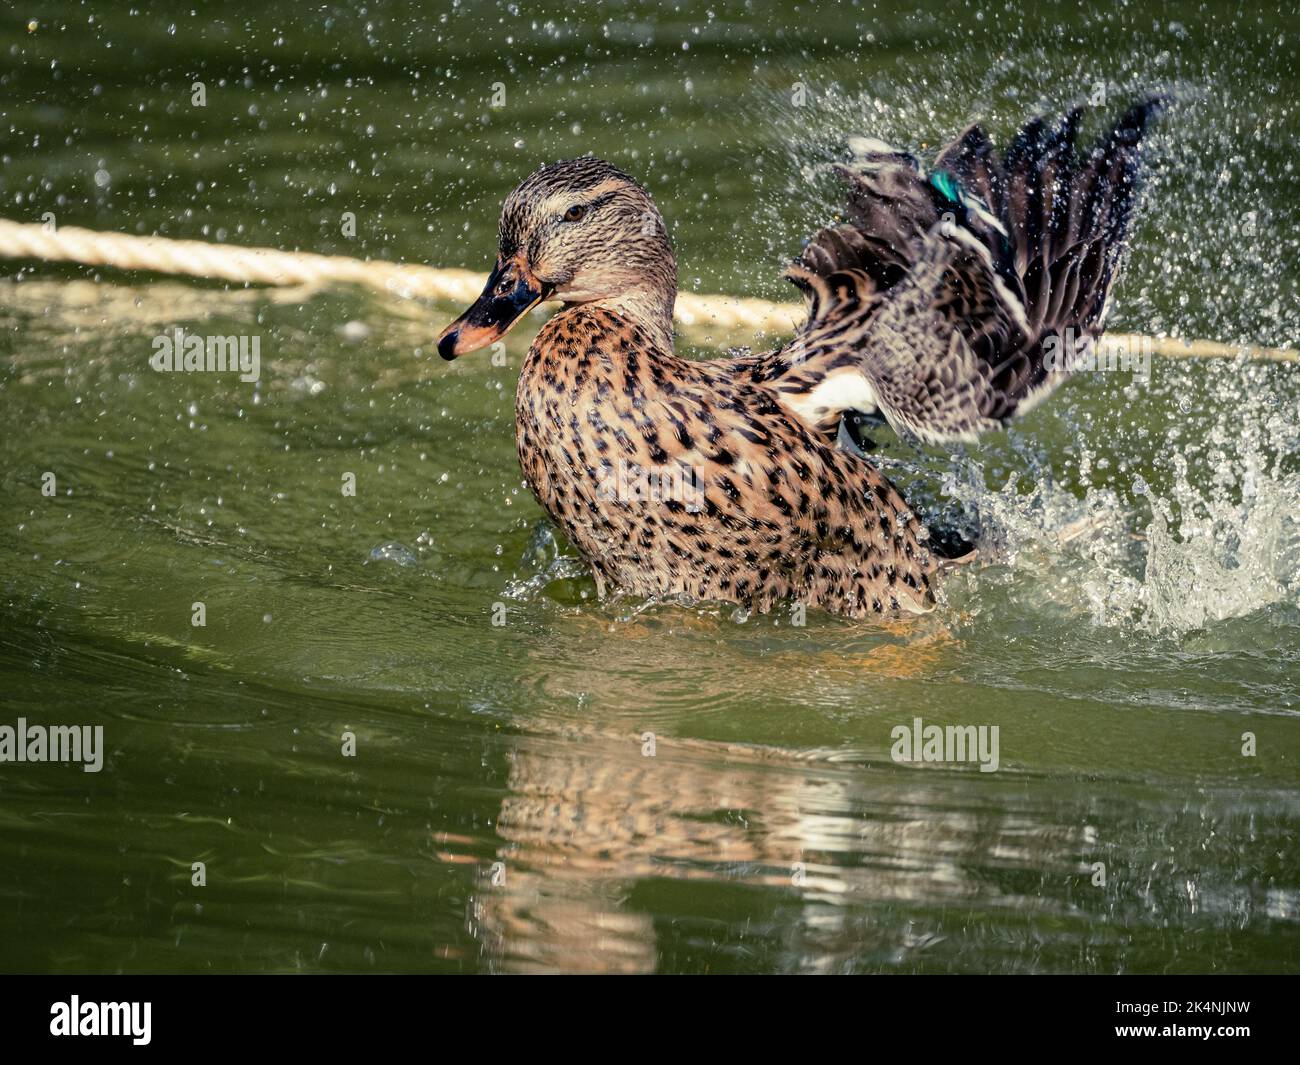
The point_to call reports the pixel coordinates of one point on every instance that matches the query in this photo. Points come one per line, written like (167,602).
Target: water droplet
(393,552)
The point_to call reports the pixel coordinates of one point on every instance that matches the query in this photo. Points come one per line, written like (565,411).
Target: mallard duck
(733,479)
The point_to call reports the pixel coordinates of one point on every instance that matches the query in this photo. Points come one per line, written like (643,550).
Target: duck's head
(578,231)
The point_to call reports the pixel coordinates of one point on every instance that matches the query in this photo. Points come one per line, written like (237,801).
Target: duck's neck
(649,306)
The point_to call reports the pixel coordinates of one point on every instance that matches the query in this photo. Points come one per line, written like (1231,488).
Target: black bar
(353,1012)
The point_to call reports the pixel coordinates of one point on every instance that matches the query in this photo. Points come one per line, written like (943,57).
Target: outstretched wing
(936,302)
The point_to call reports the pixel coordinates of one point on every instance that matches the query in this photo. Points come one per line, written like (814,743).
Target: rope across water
(270,266)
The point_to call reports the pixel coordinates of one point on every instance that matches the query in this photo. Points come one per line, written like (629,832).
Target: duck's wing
(939,303)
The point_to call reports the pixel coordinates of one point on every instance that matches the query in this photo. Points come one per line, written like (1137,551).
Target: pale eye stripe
(558,203)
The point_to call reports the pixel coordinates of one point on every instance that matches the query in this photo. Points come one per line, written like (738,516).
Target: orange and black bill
(510,293)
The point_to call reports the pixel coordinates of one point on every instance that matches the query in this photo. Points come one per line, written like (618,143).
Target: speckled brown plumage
(784,514)
(725,479)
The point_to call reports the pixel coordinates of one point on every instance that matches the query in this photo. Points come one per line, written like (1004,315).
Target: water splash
(1251,560)
(545,565)
(1203,555)
(1163,506)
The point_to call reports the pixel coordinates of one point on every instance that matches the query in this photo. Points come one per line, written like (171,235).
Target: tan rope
(269,266)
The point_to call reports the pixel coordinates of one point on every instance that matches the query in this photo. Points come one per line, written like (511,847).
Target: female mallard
(730,479)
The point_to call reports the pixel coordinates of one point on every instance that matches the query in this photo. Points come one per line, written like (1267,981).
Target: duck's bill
(510,293)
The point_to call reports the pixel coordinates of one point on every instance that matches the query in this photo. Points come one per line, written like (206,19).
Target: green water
(620,786)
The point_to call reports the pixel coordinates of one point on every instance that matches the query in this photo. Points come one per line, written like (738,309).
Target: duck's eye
(575,213)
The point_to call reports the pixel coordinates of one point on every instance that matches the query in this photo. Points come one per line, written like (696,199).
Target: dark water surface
(622,786)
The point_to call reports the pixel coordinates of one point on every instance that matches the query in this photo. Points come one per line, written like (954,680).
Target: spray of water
(1165,503)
